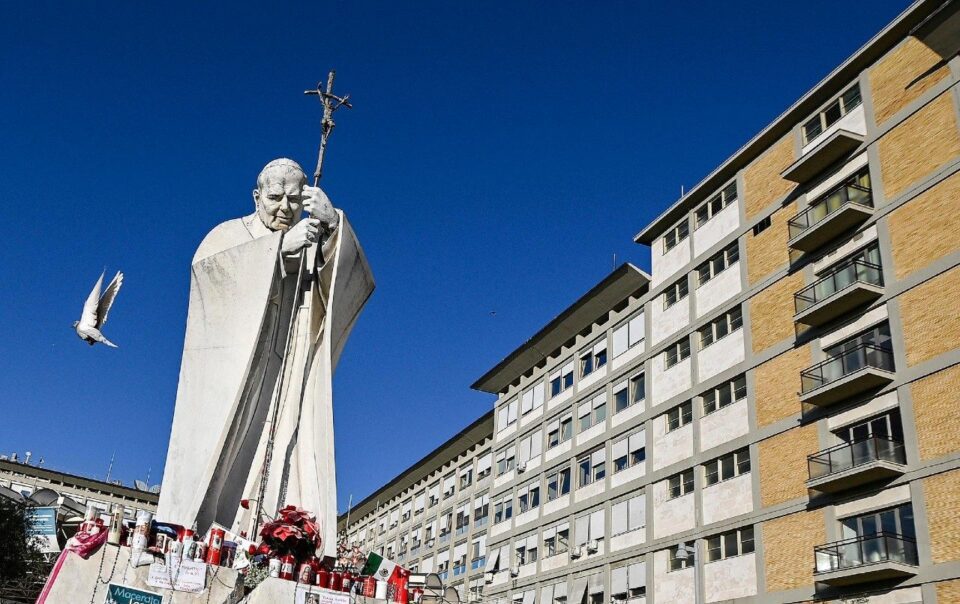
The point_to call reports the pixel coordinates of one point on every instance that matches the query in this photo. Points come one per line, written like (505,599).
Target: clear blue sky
(498,156)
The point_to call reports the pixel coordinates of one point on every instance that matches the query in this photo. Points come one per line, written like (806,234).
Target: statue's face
(280,198)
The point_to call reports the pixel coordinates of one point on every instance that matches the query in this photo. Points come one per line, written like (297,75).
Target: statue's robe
(248,371)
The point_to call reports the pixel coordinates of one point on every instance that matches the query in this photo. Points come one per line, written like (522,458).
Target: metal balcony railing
(840,278)
(844,194)
(863,356)
(865,550)
(857,453)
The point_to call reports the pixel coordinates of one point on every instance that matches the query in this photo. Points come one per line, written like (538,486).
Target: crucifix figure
(273,297)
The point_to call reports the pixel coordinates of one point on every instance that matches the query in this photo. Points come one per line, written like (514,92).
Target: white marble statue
(273,298)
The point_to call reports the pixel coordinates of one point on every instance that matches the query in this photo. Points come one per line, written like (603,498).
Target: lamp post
(685,552)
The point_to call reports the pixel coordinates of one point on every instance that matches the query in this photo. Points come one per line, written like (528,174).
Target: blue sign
(43,526)
(121,594)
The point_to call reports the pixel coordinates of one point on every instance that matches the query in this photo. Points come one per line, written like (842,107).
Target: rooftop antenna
(110,467)
(614,260)
(26,458)
(681,190)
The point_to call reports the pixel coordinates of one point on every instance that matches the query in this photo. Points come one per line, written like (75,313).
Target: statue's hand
(301,235)
(318,205)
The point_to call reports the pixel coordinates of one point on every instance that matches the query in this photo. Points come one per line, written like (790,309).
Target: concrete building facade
(769,416)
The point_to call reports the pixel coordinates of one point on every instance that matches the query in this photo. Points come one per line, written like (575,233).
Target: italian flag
(381,568)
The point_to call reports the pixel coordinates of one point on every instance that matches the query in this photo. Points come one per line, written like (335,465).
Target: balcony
(855,463)
(825,154)
(865,559)
(860,369)
(842,208)
(846,287)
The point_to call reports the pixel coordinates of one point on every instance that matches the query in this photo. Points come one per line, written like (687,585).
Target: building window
(629,392)
(712,207)
(675,236)
(728,466)
(528,497)
(506,460)
(681,484)
(589,527)
(593,359)
(628,515)
(832,113)
(466,476)
(531,446)
(628,335)
(678,351)
(679,416)
(481,510)
(729,544)
(677,563)
(592,467)
(726,323)
(562,379)
(558,483)
(761,226)
(503,509)
(593,412)
(724,394)
(484,465)
(559,430)
(507,415)
(629,451)
(556,539)
(676,292)
(531,399)
(718,263)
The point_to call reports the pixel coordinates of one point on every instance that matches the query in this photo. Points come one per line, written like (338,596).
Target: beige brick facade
(941,492)
(930,317)
(771,312)
(933,130)
(762,184)
(903,76)
(788,544)
(783,464)
(777,383)
(921,231)
(948,592)
(935,411)
(768,251)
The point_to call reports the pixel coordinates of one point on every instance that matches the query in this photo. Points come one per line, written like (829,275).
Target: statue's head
(279,193)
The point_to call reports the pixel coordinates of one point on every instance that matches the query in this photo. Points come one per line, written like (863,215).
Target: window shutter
(530,596)
(595,583)
(598,457)
(568,368)
(596,525)
(618,580)
(559,591)
(584,409)
(526,403)
(536,443)
(492,562)
(619,449)
(636,329)
(546,594)
(637,575)
(600,346)
(638,440)
(638,512)
(582,529)
(525,449)
(619,520)
(483,464)
(620,340)
(460,551)
(512,411)
(550,533)
(532,542)
(538,395)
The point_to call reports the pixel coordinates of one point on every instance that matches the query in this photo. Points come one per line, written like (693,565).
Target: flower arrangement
(294,532)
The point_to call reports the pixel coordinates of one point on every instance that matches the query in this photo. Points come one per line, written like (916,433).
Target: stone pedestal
(80,581)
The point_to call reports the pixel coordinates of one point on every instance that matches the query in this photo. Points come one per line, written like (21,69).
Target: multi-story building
(51,487)
(433,517)
(769,416)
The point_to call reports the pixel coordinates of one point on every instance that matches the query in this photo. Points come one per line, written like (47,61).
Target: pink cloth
(81,544)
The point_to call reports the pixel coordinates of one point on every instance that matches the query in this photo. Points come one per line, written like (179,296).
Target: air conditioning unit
(488,577)
(576,552)
(514,571)
(521,467)
(593,546)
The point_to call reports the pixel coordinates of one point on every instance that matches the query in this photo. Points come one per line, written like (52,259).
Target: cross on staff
(331,103)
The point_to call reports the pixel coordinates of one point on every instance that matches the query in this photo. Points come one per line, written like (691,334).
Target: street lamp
(687,552)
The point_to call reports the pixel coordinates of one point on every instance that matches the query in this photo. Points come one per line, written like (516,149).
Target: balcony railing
(478,563)
(839,279)
(459,570)
(463,529)
(865,550)
(848,193)
(853,454)
(835,368)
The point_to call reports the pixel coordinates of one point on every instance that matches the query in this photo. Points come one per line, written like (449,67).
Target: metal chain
(99,580)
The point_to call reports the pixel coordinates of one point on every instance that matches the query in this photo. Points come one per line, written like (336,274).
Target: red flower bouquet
(294,532)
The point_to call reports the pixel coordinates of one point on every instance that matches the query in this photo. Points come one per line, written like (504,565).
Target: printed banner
(188,575)
(121,594)
(43,526)
(317,595)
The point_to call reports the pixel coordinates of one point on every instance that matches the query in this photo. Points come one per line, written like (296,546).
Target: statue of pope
(273,297)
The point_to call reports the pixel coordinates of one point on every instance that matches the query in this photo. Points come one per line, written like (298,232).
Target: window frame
(679,351)
(676,235)
(715,472)
(676,292)
(684,484)
(715,205)
(727,257)
(712,399)
(717,546)
(842,103)
(679,416)
(731,321)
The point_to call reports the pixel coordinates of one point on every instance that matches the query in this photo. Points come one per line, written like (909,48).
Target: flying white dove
(95,311)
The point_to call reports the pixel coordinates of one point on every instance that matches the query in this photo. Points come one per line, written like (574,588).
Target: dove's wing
(106,300)
(89,315)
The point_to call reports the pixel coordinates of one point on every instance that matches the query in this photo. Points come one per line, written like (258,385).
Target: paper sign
(43,526)
(188,575)
(121,594)
(317,595)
